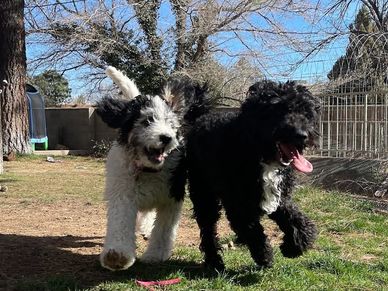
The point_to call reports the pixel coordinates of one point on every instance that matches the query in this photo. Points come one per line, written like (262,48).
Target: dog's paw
(290,250)
(215,263)
(263,257)
(299,242)
(115,260)
(155,256)
(264,263)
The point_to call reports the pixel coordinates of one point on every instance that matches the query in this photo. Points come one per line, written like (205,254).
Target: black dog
(244,161)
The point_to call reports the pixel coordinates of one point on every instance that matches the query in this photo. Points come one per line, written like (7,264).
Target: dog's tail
(126,85)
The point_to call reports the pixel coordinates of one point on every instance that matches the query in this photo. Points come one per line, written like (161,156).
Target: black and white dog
(244,162)
(145,173)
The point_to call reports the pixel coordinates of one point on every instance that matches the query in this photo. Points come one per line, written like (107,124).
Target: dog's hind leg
(145,223)
(299,231)
(163,234)
(207,212)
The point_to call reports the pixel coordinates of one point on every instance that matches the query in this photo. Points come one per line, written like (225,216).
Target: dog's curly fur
(243,162)
(145,170)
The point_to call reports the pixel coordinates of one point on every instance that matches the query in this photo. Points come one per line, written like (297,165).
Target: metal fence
(354,125)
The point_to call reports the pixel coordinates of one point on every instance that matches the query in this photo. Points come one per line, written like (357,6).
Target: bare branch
(129,34)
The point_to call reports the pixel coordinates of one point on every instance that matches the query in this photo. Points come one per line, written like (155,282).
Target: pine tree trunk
(1,135)
(13,69)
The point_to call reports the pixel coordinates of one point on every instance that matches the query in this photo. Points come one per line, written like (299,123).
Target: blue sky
(315,67)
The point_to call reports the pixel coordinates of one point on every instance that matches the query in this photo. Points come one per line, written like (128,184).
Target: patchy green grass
(33,178)
(351,252)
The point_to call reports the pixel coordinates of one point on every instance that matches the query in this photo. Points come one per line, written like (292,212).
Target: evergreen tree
(365,62)
(53,86)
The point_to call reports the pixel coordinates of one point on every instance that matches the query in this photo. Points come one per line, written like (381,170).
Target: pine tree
(365,60)
(13,70)
(53,87)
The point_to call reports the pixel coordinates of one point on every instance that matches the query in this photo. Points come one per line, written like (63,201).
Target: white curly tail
(126,85)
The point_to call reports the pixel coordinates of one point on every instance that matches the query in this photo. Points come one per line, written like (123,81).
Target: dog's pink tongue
(160,158)
(299,162)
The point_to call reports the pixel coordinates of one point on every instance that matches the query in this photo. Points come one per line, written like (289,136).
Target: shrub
(100,148)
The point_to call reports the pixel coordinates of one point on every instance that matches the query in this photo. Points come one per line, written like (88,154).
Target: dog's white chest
(271,188)
(147,190)
(153,189)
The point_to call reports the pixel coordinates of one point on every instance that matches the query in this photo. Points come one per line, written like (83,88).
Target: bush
(100,148)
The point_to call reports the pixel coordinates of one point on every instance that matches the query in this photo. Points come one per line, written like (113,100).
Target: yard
(53,222)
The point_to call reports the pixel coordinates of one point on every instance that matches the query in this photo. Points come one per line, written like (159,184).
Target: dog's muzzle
(288,154)
(156,155)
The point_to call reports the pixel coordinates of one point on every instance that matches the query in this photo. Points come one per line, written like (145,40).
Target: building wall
(76,128)
(79,128)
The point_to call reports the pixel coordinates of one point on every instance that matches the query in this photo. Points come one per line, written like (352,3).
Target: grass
(33,178)
(351,252)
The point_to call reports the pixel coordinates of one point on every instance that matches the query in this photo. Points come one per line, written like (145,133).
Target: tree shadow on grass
(52,263)
(34,258)
(7,180)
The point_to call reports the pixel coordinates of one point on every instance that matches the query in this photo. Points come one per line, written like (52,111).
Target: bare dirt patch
(63,238)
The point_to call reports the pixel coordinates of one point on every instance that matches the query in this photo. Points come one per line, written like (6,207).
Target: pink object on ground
(149,284)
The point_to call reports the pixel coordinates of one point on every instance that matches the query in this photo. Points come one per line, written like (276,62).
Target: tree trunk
(180,8)
(13,70)
(1,135)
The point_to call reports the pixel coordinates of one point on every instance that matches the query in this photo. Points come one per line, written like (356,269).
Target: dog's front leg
(164,232)
(244,219)
(120,242)
(299,231)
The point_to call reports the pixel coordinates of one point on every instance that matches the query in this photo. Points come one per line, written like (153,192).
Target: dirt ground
(64,237)
(45,240)
(42,238)
(52,232)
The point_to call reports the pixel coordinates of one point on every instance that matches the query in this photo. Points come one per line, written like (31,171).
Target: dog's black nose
(165,139)
(302,134)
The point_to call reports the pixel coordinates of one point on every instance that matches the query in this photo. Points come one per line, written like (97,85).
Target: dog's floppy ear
(173,93)
(113,112)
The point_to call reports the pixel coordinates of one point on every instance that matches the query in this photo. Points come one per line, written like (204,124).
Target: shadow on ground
(51,262)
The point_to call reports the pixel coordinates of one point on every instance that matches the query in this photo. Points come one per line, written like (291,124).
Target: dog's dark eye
(147,121)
